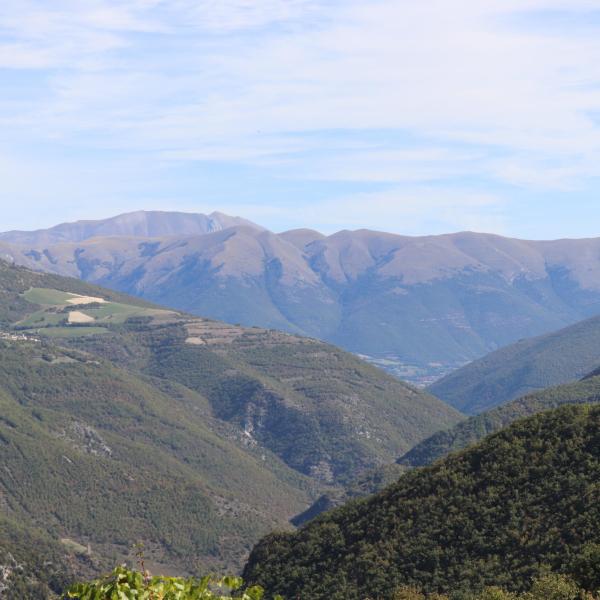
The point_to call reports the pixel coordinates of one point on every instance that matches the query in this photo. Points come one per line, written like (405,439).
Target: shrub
(125,584)
(554,587)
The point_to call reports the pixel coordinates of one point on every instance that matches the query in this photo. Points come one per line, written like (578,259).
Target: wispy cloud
(379,92)
(420,210)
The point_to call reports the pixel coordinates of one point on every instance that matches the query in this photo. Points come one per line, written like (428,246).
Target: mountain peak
(140,223)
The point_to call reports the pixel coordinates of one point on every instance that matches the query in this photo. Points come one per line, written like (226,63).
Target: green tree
(496,593)
(553,587)
(125,584)
(585,567)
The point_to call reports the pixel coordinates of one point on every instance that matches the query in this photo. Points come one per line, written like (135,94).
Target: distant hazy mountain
(419,304)
(136,224)
(528,365)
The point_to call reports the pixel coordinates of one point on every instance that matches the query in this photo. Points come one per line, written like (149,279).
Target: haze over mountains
(418,305)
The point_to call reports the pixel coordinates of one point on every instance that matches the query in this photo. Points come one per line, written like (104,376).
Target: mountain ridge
(475,428)
(421,306)
(558,357)
(460,436)
(142,223)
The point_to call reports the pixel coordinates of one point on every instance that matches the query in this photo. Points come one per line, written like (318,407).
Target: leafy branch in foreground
(125,584)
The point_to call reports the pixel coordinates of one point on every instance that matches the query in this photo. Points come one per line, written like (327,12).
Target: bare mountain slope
(421,304)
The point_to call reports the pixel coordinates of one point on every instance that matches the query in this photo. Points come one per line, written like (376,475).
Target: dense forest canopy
(523,501)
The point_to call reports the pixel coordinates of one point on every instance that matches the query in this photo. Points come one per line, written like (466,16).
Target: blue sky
(413,117)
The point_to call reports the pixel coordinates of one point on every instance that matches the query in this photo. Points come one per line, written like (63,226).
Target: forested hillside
(125,422)
(269,385)
(463,434)
(93,454)
(36,566)
(531,364)
(524,500)
(476,428)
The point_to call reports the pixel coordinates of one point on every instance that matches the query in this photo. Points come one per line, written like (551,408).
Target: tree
(125,584)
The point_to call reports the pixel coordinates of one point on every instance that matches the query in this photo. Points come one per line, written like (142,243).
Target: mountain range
(418,306)
(124,422)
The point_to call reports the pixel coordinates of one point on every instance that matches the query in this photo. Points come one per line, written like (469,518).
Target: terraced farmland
(65,314)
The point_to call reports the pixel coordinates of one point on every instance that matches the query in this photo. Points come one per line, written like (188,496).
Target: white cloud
(317,89)
(413,211)
(235,15)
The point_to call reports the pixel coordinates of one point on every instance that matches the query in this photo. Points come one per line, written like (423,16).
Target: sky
(411,116)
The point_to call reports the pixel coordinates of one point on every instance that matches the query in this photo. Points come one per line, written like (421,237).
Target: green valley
(299,300)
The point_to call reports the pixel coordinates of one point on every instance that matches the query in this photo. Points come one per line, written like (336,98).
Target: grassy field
(114,312)
(43,318)
(52,319)
(48,297)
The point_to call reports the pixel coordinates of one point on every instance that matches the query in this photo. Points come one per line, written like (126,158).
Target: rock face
(420,304)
